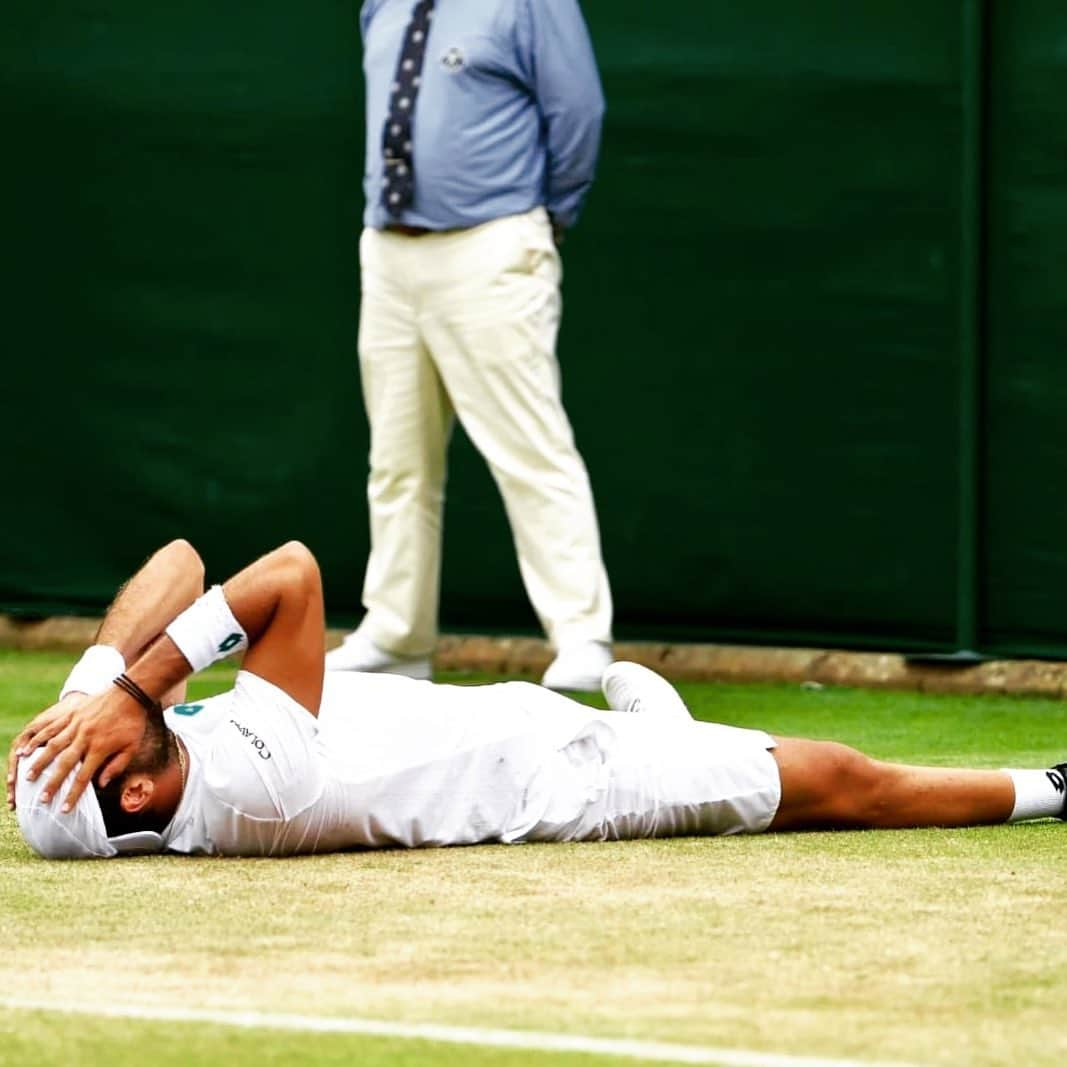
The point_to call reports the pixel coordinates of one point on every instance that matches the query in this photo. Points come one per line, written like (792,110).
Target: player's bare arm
(277,606)
(166,584)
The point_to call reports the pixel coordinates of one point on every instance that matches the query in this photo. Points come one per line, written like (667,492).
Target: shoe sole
(658,696)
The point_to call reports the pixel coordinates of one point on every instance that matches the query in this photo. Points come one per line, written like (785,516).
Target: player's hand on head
(106,729)
(37,732)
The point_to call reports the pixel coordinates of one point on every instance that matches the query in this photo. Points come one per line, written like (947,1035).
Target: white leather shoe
(578,667)
(632,688)
(359,653)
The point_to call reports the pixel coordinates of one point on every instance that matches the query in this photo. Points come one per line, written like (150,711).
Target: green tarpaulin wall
(813,339)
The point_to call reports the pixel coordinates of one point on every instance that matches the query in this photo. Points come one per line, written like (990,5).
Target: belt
(410,231)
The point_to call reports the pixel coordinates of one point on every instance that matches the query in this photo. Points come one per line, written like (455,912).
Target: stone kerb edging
(724,663)
(743,663)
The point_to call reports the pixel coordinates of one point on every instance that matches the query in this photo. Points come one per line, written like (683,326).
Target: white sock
(1038,794)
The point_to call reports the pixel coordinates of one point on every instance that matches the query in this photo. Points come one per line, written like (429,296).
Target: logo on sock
(1057,780)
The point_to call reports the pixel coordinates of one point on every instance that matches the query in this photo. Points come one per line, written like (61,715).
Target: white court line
(650,1051)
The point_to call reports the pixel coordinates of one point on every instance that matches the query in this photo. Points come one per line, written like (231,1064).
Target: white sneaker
(632,688)
(578,667)
(359,653)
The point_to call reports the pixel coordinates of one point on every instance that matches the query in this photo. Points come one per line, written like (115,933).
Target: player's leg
(826,785)
(493,334)
(410,420)
(829,785)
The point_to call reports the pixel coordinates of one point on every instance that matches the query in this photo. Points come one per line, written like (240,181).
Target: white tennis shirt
(395,762)
(389,761)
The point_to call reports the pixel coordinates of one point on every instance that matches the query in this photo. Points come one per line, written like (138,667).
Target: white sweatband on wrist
(99,666)
(207,630)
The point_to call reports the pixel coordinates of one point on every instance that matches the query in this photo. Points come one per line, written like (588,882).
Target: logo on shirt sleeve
(253,739)
(453,61)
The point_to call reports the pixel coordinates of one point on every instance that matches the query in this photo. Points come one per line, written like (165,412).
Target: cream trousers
(463,324)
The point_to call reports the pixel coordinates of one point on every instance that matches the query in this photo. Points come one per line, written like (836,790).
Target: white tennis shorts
(651,778)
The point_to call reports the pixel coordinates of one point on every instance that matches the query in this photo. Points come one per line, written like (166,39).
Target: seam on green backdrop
(973,82)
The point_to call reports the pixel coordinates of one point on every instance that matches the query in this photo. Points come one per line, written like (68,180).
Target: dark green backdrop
(812,343)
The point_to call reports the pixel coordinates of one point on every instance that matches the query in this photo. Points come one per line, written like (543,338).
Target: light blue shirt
(507,116)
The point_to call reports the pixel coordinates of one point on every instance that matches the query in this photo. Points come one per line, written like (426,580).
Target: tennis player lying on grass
(281,765)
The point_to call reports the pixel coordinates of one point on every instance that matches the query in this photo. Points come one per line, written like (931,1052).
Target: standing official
(483,124)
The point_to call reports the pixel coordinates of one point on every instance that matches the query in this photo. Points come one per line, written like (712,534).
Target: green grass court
(917,947)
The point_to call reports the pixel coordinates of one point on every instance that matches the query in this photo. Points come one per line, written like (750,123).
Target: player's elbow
(297,566)
(187,560)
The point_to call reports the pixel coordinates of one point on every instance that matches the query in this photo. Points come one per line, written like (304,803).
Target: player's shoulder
(263,759)
(199,716)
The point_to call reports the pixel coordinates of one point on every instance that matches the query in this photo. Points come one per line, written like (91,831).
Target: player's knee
(853,783)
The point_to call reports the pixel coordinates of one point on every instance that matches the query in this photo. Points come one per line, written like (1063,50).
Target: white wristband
(207,630)
(99,666)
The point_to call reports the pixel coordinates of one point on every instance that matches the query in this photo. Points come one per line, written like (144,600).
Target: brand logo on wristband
(187,709)
(231,642)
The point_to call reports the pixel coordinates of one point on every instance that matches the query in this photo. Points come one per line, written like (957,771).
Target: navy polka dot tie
(398,185)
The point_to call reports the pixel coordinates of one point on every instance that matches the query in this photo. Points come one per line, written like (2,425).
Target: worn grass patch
(940,947)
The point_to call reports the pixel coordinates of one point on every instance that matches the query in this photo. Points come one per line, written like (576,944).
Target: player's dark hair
(152,757)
